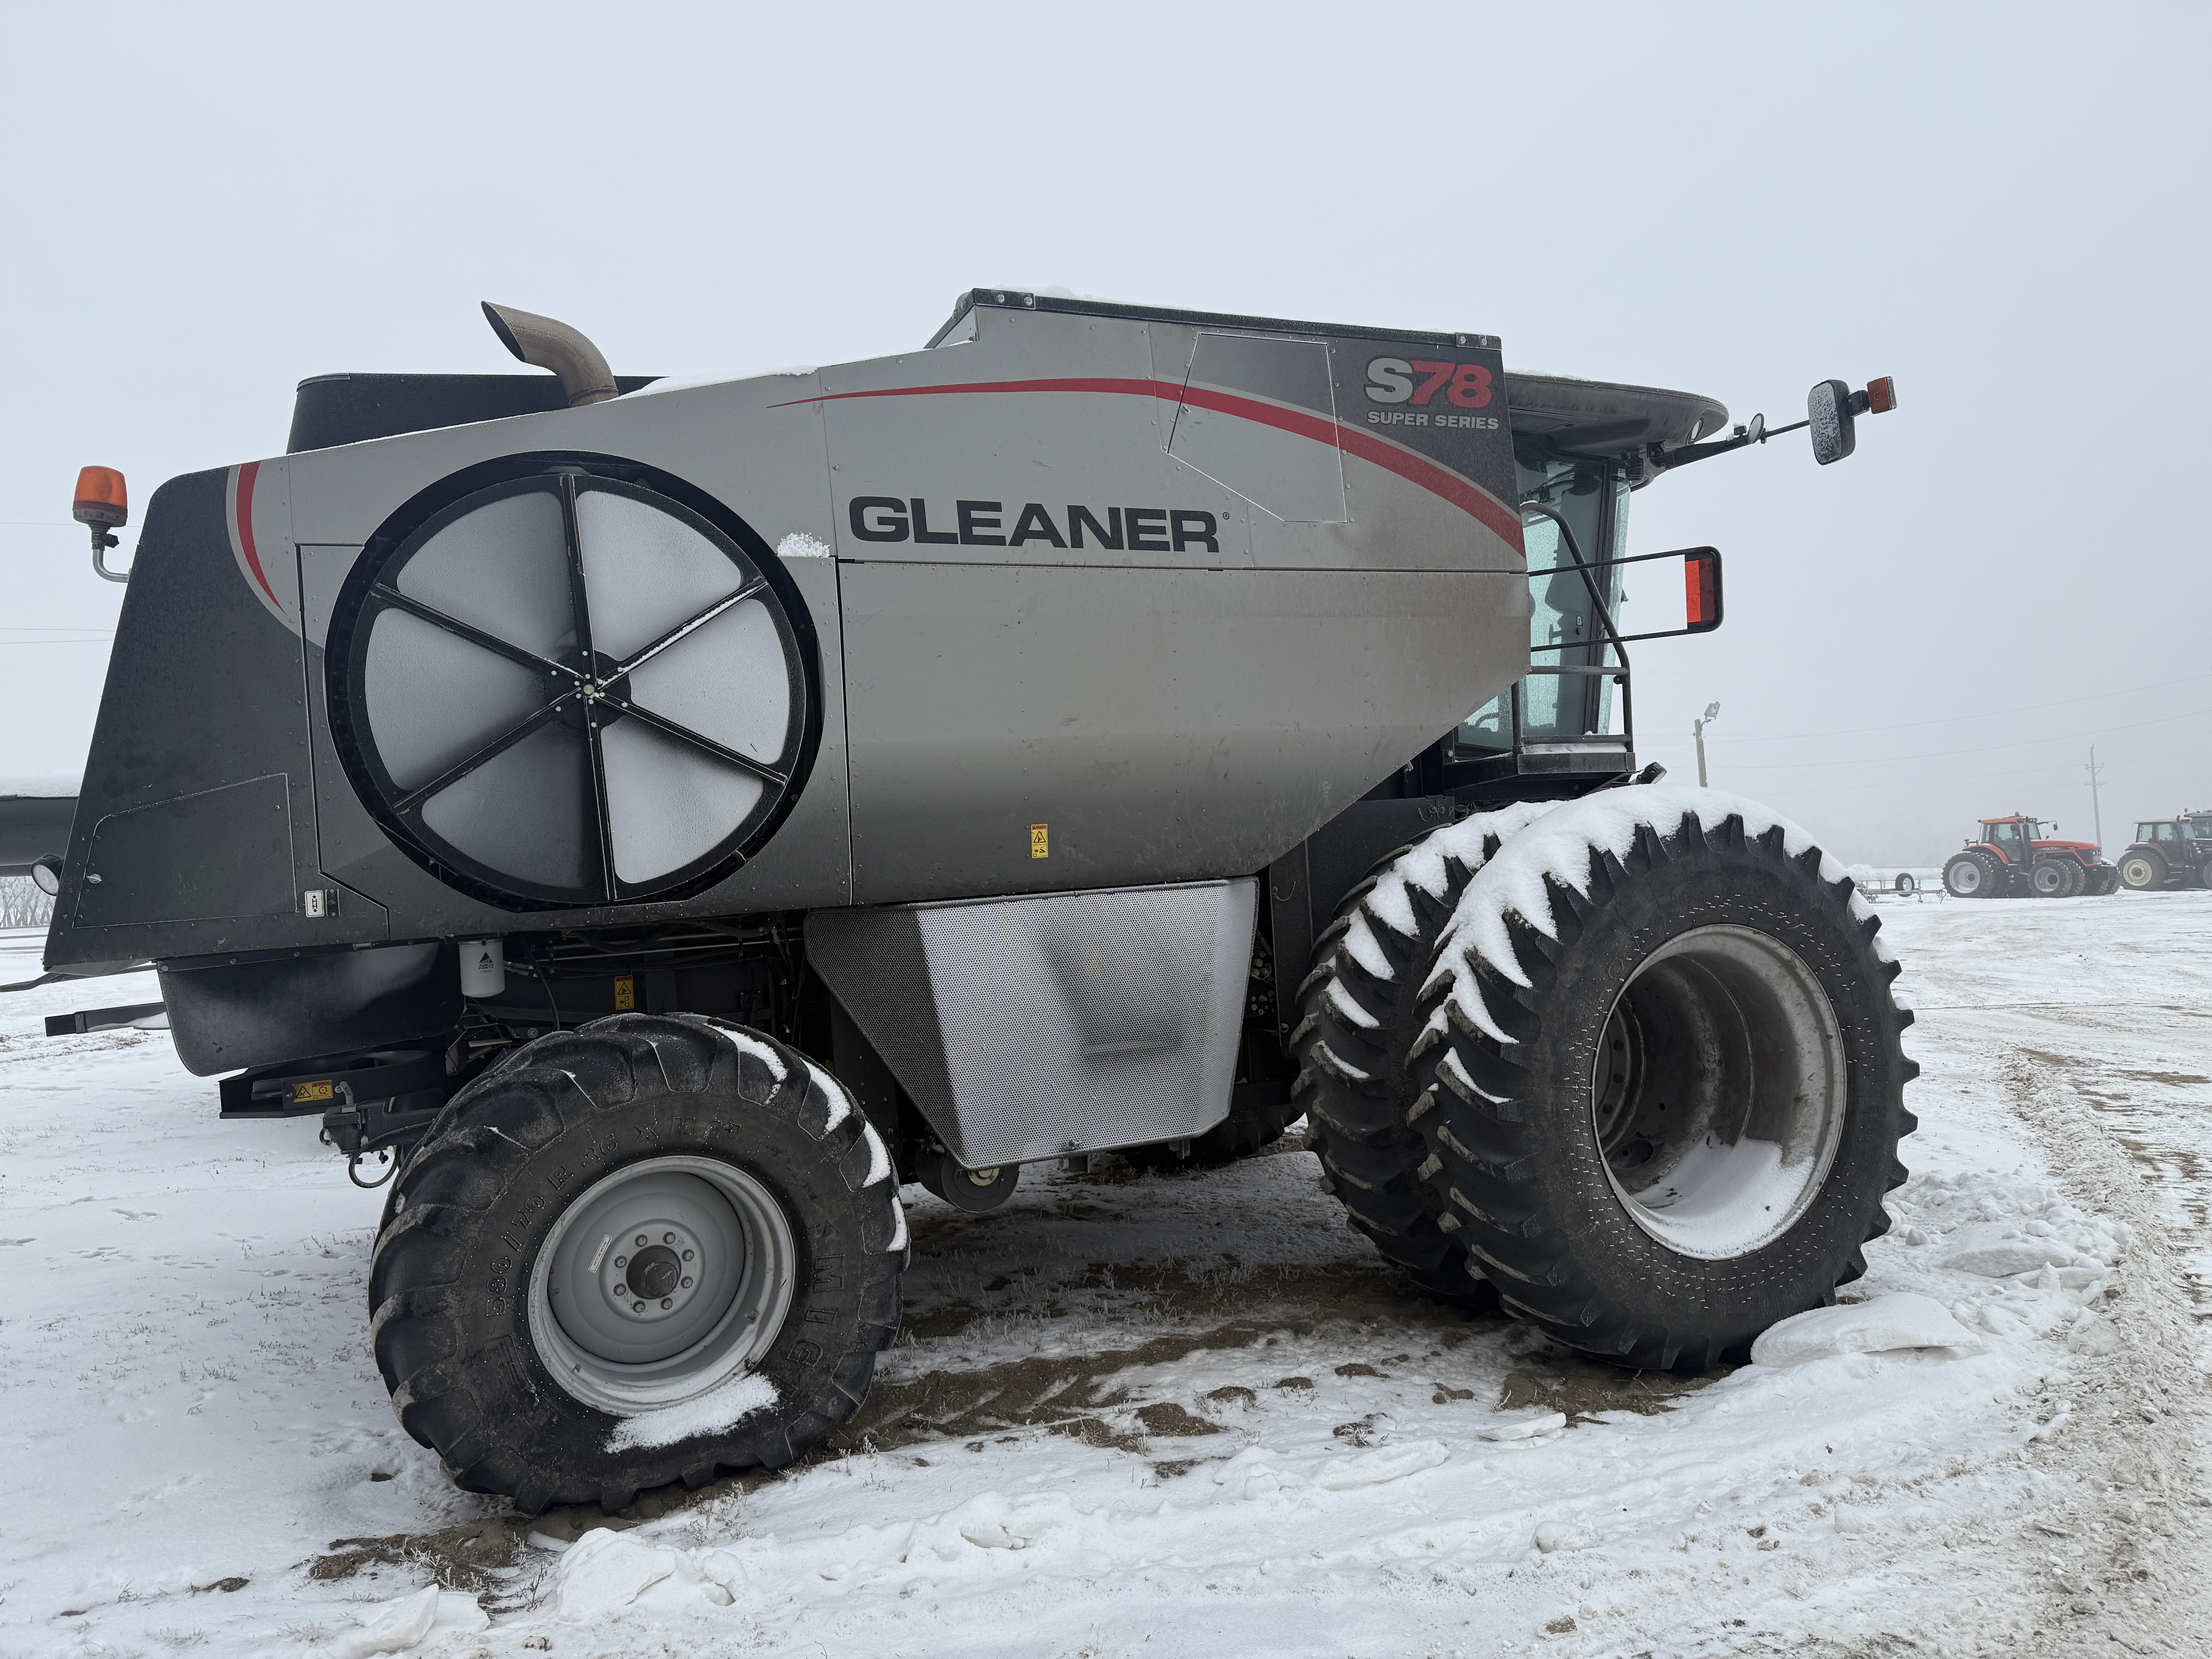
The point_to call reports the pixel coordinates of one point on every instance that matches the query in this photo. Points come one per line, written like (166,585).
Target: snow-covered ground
(1185,1414)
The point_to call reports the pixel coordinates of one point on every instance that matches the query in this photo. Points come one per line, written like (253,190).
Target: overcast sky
(2002,207)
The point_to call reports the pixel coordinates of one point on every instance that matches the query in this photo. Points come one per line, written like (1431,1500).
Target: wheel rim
(2048,878)
(1719,1091)
(2137,870)
(1967,877)
(630,1328)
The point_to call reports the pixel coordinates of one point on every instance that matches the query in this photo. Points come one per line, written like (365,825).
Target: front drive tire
(544,1355)
(2142,872)
(1661,1083)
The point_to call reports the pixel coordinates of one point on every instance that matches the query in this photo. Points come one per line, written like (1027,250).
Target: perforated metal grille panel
(1081,1021)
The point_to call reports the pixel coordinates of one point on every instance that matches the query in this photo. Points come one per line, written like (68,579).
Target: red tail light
(1701,590)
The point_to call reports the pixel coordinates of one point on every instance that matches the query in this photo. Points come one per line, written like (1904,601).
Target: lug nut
(621,1261)
(640,1238)
(637,1307)
(667,1302)
(687,1255)
(687,1285)
(668,1238)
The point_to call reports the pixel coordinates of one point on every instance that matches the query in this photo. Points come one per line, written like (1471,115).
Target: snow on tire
(640,1252)
(1358,1019)
(1659,1079)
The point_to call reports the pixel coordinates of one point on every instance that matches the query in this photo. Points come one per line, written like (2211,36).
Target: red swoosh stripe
(242,504)
(1418,470)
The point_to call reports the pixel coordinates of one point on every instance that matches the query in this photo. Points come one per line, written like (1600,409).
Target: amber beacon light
(103,505)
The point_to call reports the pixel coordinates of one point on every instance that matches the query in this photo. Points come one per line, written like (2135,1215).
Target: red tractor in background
(2012,857)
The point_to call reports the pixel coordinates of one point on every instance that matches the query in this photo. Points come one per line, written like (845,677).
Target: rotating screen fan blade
(726,681)
(503,567)
(668,803)
(434,699)
(526,813)
(645,570)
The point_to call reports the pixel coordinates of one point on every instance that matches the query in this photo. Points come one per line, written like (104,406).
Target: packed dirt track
(1136,1413)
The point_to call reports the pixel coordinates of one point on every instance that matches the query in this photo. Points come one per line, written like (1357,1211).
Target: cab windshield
(1566,695)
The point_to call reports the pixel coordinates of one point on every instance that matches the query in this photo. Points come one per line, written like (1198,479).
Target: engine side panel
(1159,725)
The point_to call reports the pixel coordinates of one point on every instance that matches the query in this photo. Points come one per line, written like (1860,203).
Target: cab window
(2166,833)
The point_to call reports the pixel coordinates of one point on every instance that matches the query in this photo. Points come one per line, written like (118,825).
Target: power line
(1988,713)
(1978,749)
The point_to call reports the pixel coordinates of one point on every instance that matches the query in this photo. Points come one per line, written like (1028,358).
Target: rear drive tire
(2142,872)
(519,1345)
(1359,1012)
(1972,874)
(1664,1109)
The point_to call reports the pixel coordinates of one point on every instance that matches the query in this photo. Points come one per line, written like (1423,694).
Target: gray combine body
(672,816)
(1078,597)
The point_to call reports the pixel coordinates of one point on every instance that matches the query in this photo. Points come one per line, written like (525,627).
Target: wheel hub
(660,1281)
(1719,1091)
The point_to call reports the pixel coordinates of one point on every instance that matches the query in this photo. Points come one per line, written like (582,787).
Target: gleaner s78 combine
(656,827)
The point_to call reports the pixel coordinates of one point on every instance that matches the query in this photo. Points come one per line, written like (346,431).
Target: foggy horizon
(1735,202)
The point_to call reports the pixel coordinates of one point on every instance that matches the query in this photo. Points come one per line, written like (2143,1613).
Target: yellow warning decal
(625,994)
(304,1092)
(1040,848)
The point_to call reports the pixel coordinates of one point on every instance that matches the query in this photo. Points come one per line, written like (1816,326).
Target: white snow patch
(1516,1426)
(1881,1325)
(1998,1249)
(604,1570)
(1340,1000)
(710,1414)
(1423,864)
(898,1231)
(1383,1463)
(800,545)
(840,1103)
(401,1626)
(746,1044)
(1559,848)
(841,1107)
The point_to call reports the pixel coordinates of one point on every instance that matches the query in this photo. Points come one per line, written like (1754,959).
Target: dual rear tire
(1651,1089)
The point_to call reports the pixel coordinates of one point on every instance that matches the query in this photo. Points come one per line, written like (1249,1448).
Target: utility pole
(1697,730)
(2096,807)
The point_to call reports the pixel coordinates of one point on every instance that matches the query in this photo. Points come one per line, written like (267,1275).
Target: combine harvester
(656,824)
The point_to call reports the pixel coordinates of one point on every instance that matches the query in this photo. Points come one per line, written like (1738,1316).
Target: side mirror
(1828,408)
(1831,408)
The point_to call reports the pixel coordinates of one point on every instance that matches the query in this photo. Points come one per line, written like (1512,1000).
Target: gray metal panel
(806,863)
(732,440)
(1163,726)
(1059,412)
(1300,481)
(1067,1023)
